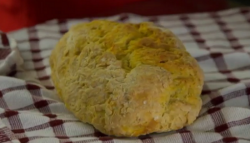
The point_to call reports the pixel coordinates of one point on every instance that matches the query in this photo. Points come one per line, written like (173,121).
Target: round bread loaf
(127,79)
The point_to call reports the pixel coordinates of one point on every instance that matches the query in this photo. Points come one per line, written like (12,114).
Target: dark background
(16,14)
(238,3)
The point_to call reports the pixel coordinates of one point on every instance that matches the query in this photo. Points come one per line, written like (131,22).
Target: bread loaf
(127,79)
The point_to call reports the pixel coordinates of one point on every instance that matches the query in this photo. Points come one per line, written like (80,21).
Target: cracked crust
(127,79)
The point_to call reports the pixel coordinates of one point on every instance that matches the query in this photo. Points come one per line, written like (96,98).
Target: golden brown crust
(127,79)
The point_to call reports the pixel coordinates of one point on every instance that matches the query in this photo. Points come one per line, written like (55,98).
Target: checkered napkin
(31,112)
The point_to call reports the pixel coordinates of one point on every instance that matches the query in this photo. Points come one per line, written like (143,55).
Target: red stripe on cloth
(89,141)
(227,140)
(50,115)
(4,52)
(58,129)
(44,78)
(230,139)
(62,26)
(248,92)
(246,12)
(219,99)
(186,136)
(123,17)
(153,19)
(18,131)
(13,119)
(222,66)
(219,122)
(4,135)
(213,110)
(41,104)
(194,32)
(219,61)
(4,39)
(33,106)
(216,101)
(19,87)
(38,67)
(50,87)
(102,137)
(2,101)
(24,140)
(228,32)
(10,113)
(205,92)
(229,79)
(192,28)
(35,39)
(56,125)
(233,41)
(32,87)
(13,71)
(52,123)
(146,139)
(221,128)
(241,122)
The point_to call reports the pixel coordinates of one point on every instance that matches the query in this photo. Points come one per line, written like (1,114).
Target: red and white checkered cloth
(31,112)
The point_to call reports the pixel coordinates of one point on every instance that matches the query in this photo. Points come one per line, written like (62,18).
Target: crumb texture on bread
(127,79)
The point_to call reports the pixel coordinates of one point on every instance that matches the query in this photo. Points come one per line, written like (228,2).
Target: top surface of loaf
(133,44)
